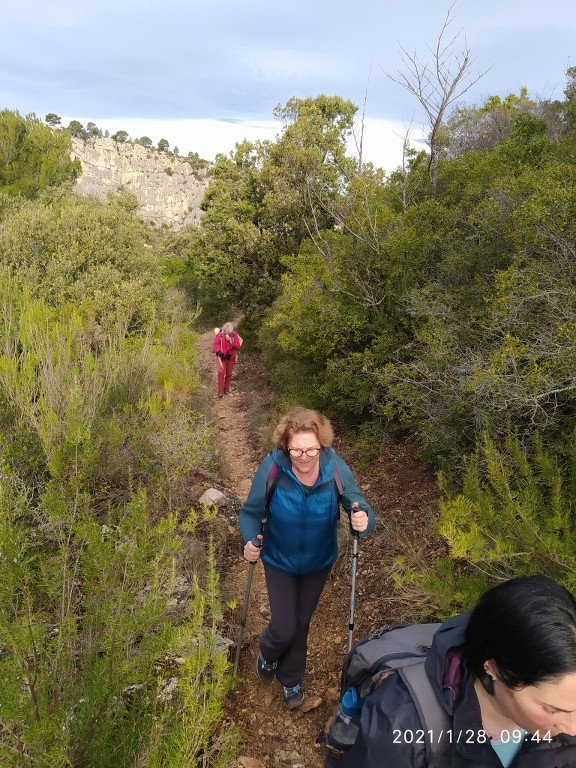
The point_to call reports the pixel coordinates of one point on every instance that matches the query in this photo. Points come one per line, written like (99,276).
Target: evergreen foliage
(100,664)
(444,310)
(89,537)
(422,300)
(79,250)
(33,158)
(514,515)
(265,200)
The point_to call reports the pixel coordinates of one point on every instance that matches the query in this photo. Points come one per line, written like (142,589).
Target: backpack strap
(272,482)
(435,722)
(338,480)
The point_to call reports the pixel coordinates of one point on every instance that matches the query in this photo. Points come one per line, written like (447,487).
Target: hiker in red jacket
(227,342)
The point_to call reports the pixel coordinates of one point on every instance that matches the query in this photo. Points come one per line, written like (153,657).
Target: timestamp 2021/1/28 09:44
(468,736)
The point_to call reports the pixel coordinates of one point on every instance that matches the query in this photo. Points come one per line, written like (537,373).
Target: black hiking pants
(293,600)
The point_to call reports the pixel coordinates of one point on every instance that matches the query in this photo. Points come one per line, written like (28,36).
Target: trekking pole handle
(252,547)
(355,533)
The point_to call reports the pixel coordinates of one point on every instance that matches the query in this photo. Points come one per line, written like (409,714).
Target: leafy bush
(90,254)
(33,158)
(89,540)
(514,515)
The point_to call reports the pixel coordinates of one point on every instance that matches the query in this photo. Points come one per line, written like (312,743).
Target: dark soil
(403,494)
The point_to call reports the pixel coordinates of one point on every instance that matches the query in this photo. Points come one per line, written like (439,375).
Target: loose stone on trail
(310,702)
(213,498)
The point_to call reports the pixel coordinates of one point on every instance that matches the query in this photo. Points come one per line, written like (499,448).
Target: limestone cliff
(168,189)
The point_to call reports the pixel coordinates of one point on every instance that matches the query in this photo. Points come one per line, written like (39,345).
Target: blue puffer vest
(300,533)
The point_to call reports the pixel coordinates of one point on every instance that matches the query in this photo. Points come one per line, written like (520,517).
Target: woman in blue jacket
(296,537)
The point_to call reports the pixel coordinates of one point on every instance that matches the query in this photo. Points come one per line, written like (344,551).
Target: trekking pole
(257,543)
(355,536)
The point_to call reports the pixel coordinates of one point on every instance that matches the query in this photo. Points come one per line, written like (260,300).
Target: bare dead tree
(359,140)
(439,83)
(407,155)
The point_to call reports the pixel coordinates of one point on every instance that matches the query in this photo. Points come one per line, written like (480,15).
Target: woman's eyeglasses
(310,452)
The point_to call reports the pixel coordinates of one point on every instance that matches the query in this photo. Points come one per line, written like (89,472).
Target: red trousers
(224,374)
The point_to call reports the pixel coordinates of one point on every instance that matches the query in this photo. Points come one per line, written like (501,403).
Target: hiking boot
(266,672)
(293,695)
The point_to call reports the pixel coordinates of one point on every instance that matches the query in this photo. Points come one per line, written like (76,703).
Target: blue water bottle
(343,730)
(351,703)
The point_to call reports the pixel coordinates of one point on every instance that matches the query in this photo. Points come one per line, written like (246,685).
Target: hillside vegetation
(99,451)
(437,309)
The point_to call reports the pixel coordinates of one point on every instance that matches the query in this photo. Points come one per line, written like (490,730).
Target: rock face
(169,189)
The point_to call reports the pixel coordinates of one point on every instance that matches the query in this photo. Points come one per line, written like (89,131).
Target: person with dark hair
(504,674)
(295,527)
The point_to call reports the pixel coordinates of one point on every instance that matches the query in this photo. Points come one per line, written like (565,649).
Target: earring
(487,681)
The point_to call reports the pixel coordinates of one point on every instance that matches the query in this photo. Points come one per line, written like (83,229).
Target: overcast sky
(204,75)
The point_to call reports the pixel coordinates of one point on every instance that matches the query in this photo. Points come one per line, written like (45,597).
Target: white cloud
(271,63)
(206,137)
(211,59)
(383,140)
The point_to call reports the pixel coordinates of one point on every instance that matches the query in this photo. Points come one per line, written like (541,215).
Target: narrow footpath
(403,494)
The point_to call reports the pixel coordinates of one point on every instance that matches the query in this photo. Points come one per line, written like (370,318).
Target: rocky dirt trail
(403,494)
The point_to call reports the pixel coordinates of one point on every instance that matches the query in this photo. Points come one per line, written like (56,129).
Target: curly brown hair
(301,419)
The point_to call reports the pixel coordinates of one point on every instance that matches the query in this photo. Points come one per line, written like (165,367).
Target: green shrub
(89,543)
(33,158)
(91,255)
(514,515)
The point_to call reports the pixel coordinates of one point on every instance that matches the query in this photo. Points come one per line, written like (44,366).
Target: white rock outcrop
(168,189)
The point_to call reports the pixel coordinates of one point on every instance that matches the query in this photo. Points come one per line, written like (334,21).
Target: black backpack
(221,354)
(399,648)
